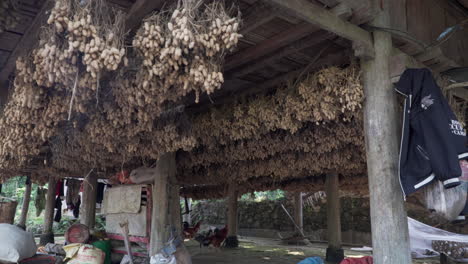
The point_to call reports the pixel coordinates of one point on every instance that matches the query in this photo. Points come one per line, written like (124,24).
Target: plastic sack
(86,254)
(427,241)
(445,203)
(160,259)
(143,175)
(15,244)
(312,260)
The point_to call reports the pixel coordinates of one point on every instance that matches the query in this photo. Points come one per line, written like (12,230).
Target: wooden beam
(335,253)
(461,92)
(390,238)
(27,41)
(88,211)
(325,19)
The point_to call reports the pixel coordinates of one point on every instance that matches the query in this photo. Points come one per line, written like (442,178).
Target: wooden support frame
(232,223)
(322,18)
(390,237)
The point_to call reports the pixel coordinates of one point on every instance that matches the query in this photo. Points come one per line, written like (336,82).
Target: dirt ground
(271,251)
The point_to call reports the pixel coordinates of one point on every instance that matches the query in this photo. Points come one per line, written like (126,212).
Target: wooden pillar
(233,193)
(47,233)
(298,211)
(175,207)
(335,253)
(25,207)
(88,206)
(390,237)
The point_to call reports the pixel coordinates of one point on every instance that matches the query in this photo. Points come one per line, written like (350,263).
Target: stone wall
(267,218)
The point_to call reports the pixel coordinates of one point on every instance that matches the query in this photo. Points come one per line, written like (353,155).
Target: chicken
(219,236)
(204,238)
(190,232)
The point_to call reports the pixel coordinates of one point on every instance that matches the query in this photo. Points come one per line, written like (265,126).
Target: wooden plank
(3,57)
(9,40)
(390,236)
(284,52)
(418,18)
(461,92)
(326,20)
(140,9)
(28,40)
(398,15)
(270,45)
(256,16)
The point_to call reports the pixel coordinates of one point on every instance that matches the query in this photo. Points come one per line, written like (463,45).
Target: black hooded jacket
(433,141)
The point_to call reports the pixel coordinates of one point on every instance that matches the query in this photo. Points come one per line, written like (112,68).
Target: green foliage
(263,196)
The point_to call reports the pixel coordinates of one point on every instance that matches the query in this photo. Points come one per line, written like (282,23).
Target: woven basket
(7,211)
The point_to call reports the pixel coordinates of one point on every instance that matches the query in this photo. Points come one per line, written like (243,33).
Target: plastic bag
(143,175)
(160,259)
(446,203)
(15,244)
(312,260)
(423,239)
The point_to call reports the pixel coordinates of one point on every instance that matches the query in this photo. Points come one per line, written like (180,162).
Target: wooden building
(259,131)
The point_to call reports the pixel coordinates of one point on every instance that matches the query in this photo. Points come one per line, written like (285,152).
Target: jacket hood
(411,81)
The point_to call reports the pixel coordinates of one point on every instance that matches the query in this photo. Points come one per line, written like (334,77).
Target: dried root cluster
(183,49)
(29,119)
(9,15)
(332,94)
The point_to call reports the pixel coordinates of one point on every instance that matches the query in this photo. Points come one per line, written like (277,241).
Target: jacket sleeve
(434,126)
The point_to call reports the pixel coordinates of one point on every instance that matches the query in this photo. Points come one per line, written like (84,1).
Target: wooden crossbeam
(325,19)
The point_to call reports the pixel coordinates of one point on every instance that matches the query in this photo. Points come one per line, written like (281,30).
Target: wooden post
(390,237)
(88,206)
(47,233)
(335,253)
(25,207)
(233,193)
(175,208)
(298,211)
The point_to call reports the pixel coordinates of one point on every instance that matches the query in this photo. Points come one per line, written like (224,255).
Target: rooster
(219,236)
(189,232)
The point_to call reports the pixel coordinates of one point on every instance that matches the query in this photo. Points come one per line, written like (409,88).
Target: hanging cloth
(40,200)
(73,193)
(58,206)
(100,192)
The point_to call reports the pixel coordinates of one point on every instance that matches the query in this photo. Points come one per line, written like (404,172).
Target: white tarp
(15,244)
(422,236)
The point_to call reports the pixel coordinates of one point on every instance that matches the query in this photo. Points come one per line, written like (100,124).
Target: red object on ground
(39,259)
(364,260)
(190,232)
(77,233)
(218,238)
